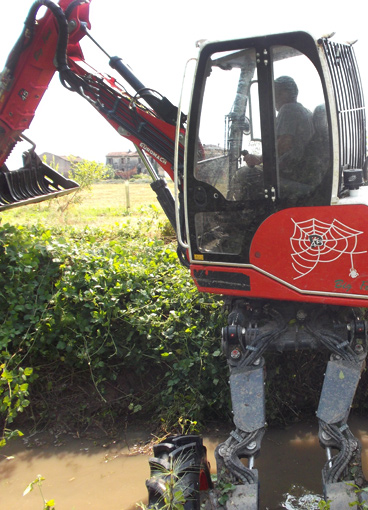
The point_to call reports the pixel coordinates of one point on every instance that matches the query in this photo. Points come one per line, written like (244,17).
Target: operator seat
(316,162)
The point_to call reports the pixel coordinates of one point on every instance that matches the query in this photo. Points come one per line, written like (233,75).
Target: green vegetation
(104,204)
(109,308)
(113,305)
(100,325)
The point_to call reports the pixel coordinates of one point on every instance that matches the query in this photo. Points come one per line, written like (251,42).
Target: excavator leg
(244,356)
(247,391)
(255,327)
(342,474)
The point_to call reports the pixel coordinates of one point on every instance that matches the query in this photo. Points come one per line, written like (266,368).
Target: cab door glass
(230,126)
(301,129)
(228,194)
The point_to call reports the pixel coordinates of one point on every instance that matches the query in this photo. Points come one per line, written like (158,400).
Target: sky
(156,38)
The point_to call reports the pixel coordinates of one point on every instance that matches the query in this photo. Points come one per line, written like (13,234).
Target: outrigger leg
(255,327)
(243,345)
(342,474)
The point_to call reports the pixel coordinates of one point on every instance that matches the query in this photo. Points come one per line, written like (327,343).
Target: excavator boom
(31,66)
(51,45)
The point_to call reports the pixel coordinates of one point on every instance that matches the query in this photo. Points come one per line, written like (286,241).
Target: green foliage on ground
(112,307)
(104,204)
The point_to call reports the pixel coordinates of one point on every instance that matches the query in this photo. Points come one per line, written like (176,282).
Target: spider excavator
(270,208)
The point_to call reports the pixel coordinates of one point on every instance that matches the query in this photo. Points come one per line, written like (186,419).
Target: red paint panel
(317,255)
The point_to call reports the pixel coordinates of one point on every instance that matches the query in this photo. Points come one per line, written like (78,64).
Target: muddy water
(85,474)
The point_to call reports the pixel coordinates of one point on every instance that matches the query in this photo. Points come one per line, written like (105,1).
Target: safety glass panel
(230,127)
(229,185)
(301,128)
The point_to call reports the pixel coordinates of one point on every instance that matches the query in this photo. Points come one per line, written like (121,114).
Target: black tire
(179,463)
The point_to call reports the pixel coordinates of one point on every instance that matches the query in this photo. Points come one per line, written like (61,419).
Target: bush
(114,305)
(27,277)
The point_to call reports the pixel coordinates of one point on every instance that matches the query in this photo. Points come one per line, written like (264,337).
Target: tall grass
(104,205)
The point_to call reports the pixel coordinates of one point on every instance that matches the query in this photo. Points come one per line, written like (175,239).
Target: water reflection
(92,475)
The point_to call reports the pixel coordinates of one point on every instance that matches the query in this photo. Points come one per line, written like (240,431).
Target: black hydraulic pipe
(166,200)
(161,105)
(72,6)
(29,27)
(124,71)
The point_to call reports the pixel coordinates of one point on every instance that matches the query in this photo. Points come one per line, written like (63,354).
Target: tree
(85,173)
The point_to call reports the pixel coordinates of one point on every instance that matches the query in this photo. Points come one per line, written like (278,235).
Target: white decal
(153,153)
(314,242)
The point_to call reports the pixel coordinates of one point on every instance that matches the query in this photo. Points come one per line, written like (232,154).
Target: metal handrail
(181,241)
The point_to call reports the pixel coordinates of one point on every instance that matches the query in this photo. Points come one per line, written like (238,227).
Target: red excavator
(270,211)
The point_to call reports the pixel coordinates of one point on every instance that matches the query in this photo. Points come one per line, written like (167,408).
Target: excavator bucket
(34,182)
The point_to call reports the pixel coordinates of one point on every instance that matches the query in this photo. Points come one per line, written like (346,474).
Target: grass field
(105,204)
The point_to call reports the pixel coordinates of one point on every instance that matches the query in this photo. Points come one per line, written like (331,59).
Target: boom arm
(30,67)
(52,44)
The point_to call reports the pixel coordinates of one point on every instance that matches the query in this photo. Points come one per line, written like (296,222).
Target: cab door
(244,163)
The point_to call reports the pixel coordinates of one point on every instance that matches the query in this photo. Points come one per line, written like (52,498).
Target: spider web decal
(314,242)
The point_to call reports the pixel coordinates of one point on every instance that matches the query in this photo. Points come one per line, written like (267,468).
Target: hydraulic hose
(337,465)
(72,6)
(62,24)
(255,349)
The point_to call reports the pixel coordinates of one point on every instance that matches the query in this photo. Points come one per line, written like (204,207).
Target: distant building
(125,164)
(129,163)
(60,163)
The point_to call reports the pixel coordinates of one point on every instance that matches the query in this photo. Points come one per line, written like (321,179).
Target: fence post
(127,195)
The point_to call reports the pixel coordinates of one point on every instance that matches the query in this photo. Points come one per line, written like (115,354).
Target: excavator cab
(275,144)
(274,217)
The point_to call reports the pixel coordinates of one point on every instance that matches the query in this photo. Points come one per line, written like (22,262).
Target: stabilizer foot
(244,497)
(341,495)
